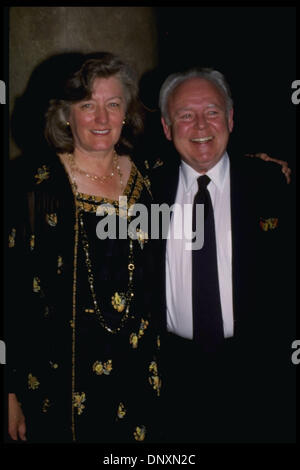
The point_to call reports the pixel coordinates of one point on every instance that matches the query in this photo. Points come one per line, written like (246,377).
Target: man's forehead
(195,91)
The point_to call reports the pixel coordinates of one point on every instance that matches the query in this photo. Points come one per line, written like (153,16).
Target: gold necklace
(96,178)
(118,300)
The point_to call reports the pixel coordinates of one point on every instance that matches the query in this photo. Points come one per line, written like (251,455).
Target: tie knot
(203,181)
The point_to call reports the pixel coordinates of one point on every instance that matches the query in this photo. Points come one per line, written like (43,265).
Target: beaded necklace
(120,301)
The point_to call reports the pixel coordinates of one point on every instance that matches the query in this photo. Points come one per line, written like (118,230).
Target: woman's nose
(101,115)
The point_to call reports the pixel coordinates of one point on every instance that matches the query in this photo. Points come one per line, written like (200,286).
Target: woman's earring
(124,121)
(67,124)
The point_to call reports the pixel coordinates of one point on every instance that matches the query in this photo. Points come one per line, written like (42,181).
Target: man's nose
(200,121)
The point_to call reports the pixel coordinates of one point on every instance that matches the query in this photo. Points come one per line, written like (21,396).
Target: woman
(83,350)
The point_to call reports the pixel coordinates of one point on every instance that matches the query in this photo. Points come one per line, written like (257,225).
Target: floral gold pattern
(268,224)
(78,400)
(118,301)
(147,183)
(36,284)
(54,365)
(100,368)
(154,379)
(158,163)
(158,342)
(46,405)
(32,242)
(140,433)
(134,338)
(121,410)
(33,382)
(59,264)
(51,219)
(12,238)
(42,174)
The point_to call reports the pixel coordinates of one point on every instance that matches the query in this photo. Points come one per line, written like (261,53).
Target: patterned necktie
(207,313)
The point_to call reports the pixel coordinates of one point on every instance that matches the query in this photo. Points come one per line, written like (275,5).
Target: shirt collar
(216,174)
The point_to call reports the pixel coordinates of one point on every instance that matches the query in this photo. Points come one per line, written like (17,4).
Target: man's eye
(212,113)
(86,106)
(186,116)
(114,105)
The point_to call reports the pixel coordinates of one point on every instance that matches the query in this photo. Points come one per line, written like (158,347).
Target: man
(228,306)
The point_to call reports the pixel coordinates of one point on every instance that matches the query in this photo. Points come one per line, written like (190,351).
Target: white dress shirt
(179,259)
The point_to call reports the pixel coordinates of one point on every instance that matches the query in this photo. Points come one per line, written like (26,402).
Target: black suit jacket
(263,280)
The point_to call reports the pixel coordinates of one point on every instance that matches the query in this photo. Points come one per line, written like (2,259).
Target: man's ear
(230,120)
(167,129)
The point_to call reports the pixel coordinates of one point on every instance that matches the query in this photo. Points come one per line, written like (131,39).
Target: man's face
(200,125)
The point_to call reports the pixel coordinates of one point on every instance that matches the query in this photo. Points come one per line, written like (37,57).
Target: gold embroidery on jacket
(100,368)
(134,338)
(33,382)
(51,219)
(42,174)
(46,405)
(36,284)
(121,410)
(59,264)
(78,400)
(140,433)
(154,379)
(32,242)
(12,238)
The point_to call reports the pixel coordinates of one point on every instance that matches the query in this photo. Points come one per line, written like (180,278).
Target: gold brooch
(42,174)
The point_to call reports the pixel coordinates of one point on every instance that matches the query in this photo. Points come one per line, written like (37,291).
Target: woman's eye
(114,105)
(86,106)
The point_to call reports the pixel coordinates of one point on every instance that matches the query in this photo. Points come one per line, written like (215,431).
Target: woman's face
(97,122)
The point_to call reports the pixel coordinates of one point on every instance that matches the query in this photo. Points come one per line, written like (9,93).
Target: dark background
(255,48)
